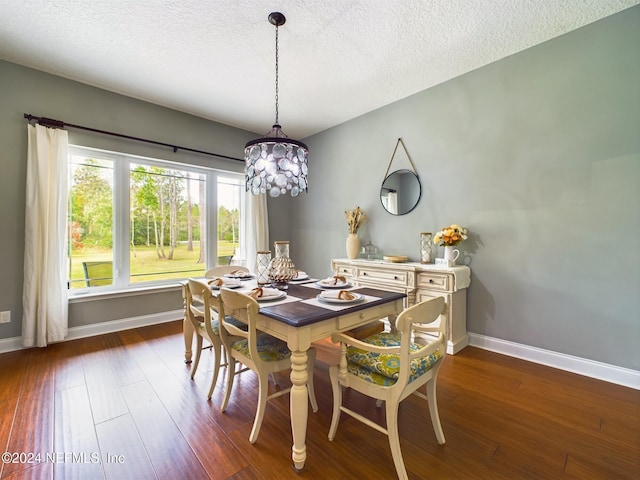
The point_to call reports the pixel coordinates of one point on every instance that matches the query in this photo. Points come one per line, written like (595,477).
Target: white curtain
(257,227)
(390,202)
(44,294)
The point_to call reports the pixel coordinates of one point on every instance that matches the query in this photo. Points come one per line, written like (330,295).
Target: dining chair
(260,352)
(202,310)
(391,366)
(97,274)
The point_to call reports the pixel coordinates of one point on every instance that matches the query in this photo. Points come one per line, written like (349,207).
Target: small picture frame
(441,262)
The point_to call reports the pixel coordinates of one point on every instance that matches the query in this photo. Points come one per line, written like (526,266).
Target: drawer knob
(395,277)
(362,315)
(431,280)
(364,274)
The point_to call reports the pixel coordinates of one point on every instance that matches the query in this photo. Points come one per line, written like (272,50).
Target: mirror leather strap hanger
(399,142)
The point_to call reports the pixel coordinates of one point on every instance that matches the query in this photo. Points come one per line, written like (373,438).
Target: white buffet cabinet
(419,282)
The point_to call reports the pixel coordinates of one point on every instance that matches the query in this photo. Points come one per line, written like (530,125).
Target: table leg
(187,330)
(392,323)
(299,407)
(187,327)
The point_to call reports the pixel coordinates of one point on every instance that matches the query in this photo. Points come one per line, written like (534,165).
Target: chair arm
(430,347)
(426,327)
(234,331)
(354,342)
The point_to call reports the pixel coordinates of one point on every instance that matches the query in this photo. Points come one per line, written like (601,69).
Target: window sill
(90,296)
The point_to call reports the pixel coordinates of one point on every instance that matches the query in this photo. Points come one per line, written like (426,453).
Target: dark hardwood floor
(122,406)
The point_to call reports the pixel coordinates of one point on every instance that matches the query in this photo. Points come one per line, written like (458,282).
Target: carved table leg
(392,323)
(299,407)
(187,327)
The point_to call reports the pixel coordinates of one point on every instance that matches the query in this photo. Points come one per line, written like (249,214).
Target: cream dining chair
(224,270)
(202,310)
(391,366)
(260,352)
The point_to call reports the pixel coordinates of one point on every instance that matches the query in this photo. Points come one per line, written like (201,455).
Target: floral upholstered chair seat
(270,348)
(383,368)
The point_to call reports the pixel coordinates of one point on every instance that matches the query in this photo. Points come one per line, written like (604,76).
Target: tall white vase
(353,246)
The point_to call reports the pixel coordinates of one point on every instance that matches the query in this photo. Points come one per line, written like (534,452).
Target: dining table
(301,317)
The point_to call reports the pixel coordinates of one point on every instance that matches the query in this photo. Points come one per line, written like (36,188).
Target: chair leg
(215,347)
(231,373)
(433,410)
(311,361)
(337,401)
(394,439)
(263,393)
(196,360)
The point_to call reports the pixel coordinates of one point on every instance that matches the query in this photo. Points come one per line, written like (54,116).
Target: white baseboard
(588,368)
(15,343)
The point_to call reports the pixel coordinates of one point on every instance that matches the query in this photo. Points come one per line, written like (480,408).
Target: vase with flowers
(448,238)
(355,219)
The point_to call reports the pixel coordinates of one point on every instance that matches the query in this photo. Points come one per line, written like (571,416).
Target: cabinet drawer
(383,277)
(435,281)
(344,270)
(362,317)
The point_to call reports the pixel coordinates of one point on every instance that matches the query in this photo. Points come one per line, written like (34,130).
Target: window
(134,221)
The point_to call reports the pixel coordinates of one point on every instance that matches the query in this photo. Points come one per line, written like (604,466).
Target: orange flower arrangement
(450,236)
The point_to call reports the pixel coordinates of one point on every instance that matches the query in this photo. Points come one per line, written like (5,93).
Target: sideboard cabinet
(419,282)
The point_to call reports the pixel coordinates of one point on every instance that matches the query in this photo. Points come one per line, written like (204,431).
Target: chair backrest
(223,270)
(241,307)
(199,301)
(422,313)
(415,325)
(97,274)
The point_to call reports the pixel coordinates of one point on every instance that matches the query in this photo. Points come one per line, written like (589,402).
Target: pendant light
(276,163)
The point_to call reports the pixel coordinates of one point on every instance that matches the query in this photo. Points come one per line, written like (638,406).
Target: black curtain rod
(49,122)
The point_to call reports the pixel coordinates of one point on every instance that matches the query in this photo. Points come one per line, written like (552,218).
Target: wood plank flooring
(122,406)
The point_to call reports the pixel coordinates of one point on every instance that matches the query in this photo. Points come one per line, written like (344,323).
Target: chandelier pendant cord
(276,163)
(277,123)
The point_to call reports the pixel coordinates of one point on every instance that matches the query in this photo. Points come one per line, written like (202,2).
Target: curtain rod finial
(45,122)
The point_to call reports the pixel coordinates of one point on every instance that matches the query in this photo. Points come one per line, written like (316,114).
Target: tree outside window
(164,222)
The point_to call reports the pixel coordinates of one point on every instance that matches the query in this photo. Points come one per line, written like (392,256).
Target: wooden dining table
(301,318)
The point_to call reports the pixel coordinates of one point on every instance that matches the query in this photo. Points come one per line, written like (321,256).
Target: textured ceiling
(338,58)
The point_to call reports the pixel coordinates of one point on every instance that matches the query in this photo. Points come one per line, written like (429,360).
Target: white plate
(228,283)
(272,297)
(330,285)
(299,279)
(240,276)
(327,299)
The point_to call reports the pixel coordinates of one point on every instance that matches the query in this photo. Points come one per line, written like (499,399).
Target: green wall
(538,155)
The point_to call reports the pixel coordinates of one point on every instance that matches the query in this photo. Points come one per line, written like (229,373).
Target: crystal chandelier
(276,163)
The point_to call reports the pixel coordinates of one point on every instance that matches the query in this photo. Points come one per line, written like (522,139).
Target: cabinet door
(423,295)
(455,315)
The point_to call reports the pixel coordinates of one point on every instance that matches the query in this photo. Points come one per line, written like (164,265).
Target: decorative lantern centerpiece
(281,269)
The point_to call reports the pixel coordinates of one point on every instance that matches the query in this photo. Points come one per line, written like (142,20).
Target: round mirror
(400,192)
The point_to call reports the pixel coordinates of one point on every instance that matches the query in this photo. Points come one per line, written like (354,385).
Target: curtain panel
(44,294)
(257,227)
